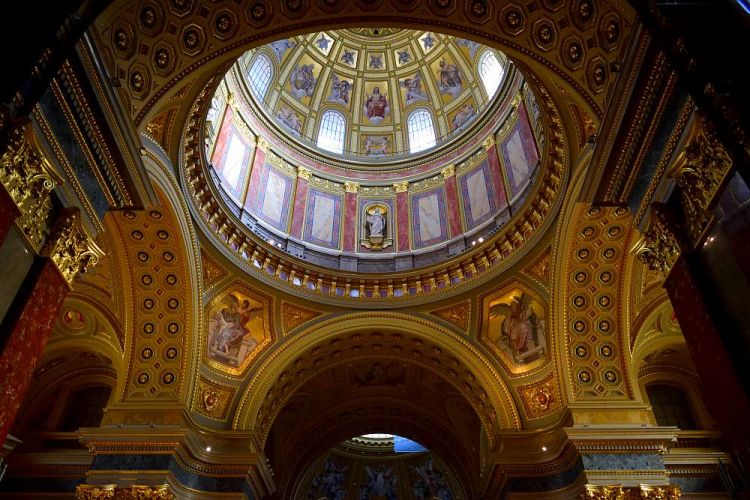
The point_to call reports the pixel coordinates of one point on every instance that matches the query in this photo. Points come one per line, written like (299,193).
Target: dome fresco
(353,91)
(374,153)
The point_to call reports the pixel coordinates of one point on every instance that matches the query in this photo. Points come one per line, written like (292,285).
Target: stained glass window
(332,131)
(260,75)
(490,71)
(421,131)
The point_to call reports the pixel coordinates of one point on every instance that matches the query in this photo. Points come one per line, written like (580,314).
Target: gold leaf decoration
(540,398)
(457,315)
(293,316)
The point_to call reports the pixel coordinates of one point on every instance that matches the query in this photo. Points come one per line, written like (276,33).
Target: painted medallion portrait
(514,327)
(237,328)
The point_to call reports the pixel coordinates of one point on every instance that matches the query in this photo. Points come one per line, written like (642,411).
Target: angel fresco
(379,484)
(522,330)
(230,339)
(330,483)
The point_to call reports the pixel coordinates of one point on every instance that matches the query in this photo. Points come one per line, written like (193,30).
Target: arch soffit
(542,38)
(468,356)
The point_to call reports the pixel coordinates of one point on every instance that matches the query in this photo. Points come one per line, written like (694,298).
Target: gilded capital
(659,247)
(263,144)
(699,173)
(489,142)
(351,187)
(28,178)
(448,171)
(401,187)
(97,492)
(303,173)
(69,248)
(597,492)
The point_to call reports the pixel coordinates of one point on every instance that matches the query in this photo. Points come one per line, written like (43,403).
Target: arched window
(260,75)
(332,131)
(491,72)
(421,131)
(670,406)
(86,408)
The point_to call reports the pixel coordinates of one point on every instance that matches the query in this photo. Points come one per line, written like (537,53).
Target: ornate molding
(619,492)
(96,492)
(28,178)
(699,173)
(71,250)
(660,245)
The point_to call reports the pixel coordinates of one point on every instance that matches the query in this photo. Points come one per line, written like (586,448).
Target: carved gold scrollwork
(95,492)
(699,173)
(642,492)
(659,247)
(28,178)
(69,247)
(592,492)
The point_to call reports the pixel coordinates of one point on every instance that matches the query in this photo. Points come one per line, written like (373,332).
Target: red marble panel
(725,397)
(350,221)
(222,139)
(501,199)
(300,202)
(454,210)
(402,221)
(8,214)
(254,186)
(26,342)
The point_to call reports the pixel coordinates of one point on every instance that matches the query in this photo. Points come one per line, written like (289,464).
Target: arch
(242,25)
(490,71)
(260,74)
(440,350)
(421,130)
(332,131)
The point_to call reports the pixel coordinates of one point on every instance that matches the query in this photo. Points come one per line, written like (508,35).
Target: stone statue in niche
(375,227)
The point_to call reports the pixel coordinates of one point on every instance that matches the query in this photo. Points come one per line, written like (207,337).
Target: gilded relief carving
(213,399)
(540,398)
(457,315)
(293,316)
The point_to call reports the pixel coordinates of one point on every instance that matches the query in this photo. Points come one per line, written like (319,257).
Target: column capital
(28,178)
(401,187)
(489,142)
(70,249)
(351,187)
(303,173)
(660,245)
(448,171)
(263,144)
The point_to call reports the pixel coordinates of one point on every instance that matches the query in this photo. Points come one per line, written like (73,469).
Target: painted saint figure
(303,81)
(229,337)
(339,90)
(376,107)
(449,78)
(414,90)
(464,116)
(521,331)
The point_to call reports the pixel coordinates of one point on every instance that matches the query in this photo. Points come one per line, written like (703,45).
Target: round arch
(542,40)
(405,336)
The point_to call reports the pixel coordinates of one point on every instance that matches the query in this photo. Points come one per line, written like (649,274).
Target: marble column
(402,216)
(451,195)
(724,394)
(350,216)
(300,202)
(29,321)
